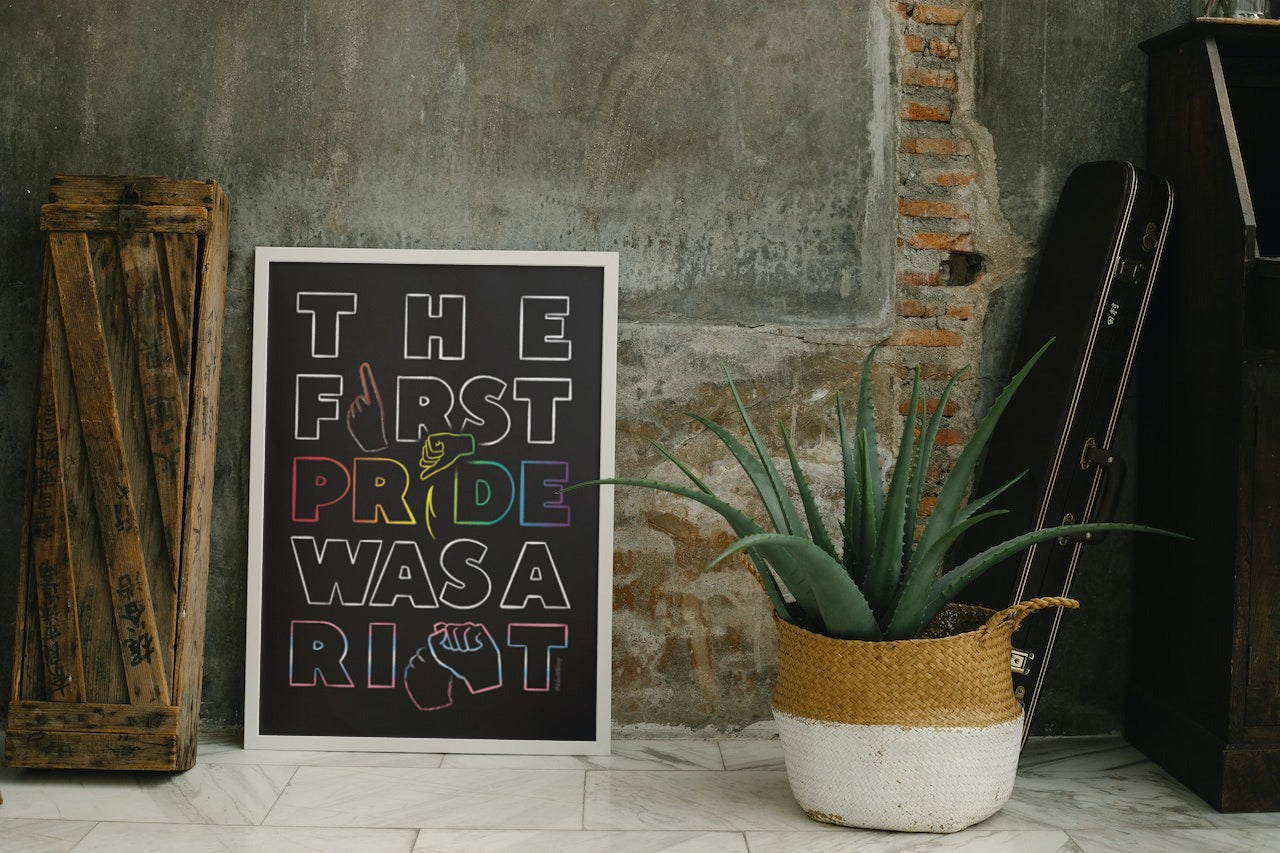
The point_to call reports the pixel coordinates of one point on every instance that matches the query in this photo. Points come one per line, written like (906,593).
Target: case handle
(1113,471)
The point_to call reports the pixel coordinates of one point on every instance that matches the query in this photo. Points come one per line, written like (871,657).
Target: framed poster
(417,579)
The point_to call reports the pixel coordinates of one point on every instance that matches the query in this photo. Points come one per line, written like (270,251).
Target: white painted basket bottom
(915,779)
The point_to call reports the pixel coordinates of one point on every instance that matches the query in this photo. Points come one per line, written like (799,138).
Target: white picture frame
(343,333)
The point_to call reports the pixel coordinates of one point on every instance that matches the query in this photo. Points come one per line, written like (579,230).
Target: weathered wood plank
(165,405)
(201,449)
(25,650)
(111,189)
(112,218)
(122,363)
(131,414)
(103,668)
(91,750)
(181,255)
(93,715)
(86,346)
(50,554)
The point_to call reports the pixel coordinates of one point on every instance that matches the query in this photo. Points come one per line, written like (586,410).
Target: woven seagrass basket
(918,735)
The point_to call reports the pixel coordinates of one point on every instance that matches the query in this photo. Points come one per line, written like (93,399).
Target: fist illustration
(366,420)
(442,449)
(428,684)
(468,651)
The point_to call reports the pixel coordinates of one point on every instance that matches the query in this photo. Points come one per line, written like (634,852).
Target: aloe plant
(882,583)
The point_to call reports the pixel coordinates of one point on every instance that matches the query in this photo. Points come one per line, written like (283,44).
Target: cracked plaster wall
(743,157)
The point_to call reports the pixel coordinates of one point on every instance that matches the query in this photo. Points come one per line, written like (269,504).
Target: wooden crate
(114,563)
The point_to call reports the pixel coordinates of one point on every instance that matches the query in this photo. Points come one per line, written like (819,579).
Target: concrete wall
(743,157)
(1058,84)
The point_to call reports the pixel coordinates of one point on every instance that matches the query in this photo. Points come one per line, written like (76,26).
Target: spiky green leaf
(866,426)
(743,526)
(946,587)
(779,509)
(924,453)
(909,605)
(684,469)
(845,613)
(872,509)
(817,529)
(885,570)
(951,498)
(791,517)
(850,521)
(978,503)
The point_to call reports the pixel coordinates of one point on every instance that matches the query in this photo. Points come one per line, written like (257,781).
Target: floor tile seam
(1106,824)
(80,841)
(724,760)
(262,821)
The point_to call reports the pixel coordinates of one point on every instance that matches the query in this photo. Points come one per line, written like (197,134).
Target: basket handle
(1015,613)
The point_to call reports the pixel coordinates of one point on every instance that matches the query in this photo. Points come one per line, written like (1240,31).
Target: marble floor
(1086,794)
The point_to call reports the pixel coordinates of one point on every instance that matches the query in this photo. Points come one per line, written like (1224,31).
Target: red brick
(955,179)
(945,15)
(919,279)
(925,338)
(937,209)
(928,407)
(912,43)
(927,503)
(928,77)
(902,10)
(915,308)
(946,146)
(944,48)
(960,312)
(949,438)
(941,242)
(941,372)
(925,112)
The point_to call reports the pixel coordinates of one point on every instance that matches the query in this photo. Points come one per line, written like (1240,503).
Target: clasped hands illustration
(367,423)
(462,651)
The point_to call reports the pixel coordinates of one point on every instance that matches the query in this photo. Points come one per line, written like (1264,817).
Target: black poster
(418,580)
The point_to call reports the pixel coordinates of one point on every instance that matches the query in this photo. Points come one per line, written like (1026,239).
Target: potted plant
(895,706)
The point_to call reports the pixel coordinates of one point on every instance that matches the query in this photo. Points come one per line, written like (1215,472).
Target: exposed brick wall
(696,647)
(938,269)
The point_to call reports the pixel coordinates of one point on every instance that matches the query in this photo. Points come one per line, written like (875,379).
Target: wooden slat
(122,364)
(111,189)
(50,554)
(129,589)
(201,449)
(93,715)
(25,651)
(180,255)
(103,668)
(107,218)
(92,750)
(163,401)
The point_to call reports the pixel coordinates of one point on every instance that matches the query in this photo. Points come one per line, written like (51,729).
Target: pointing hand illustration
(468,651)
(442,449)
(366,420)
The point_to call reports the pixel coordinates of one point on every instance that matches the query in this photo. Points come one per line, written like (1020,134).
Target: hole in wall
(962,267)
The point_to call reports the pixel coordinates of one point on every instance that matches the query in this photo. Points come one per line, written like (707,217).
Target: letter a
(535,578)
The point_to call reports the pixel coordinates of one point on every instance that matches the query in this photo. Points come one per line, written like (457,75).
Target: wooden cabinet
(1205,686)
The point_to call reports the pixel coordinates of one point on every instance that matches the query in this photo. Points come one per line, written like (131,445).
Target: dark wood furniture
(1205,686)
